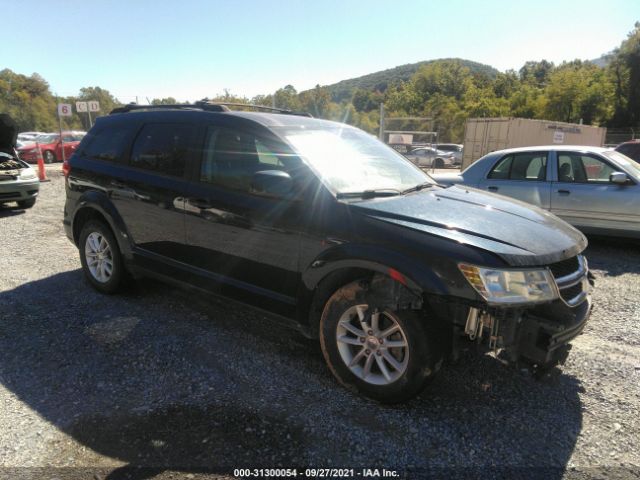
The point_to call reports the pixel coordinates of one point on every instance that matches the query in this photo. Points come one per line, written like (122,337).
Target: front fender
(419,278)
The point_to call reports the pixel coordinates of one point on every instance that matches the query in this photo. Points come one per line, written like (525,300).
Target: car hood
(8,133)
(519,233)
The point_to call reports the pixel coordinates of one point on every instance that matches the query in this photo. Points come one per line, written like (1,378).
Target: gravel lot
(93,386)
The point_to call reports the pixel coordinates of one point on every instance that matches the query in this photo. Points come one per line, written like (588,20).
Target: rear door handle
(564,192)
(117,184)
(492,188)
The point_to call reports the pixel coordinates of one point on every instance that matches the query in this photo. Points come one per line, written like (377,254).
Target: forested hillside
(449,91)
(380,81)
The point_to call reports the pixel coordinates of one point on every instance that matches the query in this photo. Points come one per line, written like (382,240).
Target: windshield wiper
(418,187)
(373,193)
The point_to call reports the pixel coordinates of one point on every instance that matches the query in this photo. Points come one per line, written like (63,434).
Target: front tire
(387,355)
(100,257)
(439,163)
(49,157)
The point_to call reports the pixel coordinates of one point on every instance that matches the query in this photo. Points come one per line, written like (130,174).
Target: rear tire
(100,257)
(27,203)
(439,163)
(357,346)
(49,157)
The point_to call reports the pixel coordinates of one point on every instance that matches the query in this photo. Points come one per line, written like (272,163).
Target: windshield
(350,160)
(49,138)
(623,160)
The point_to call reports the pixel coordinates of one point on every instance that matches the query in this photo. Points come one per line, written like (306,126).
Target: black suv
(321,224)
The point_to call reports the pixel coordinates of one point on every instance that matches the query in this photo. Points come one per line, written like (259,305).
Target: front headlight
(27,174)
(511,286)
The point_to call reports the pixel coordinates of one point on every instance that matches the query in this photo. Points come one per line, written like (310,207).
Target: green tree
(577,92)
(624,71)
(536,73)
(164,101)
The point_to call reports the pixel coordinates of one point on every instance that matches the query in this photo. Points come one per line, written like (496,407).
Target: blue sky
(189,49)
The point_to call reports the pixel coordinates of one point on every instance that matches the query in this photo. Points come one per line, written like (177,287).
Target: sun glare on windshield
(349,160)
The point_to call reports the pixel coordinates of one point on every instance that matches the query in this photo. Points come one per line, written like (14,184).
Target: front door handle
(564,192)
(492,188)
(117,184)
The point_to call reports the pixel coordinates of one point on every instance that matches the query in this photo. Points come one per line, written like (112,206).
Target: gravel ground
(95,386)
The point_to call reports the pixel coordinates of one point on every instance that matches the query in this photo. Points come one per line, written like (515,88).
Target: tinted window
(530,166)
(106,144)
(576,167)
(162,147)
(231,157)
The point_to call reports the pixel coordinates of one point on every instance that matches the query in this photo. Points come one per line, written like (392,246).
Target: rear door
(149,192)
(583,195)
(521,175)
(246,244)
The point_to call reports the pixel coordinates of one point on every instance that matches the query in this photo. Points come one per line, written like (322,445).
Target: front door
(584,196)
(246,244)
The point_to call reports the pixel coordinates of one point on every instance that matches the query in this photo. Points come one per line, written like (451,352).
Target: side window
(501,169)
(231,157)
(107,144)
(162,147)
(579,168)
(528,166)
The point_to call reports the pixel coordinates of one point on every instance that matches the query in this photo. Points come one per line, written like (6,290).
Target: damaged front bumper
(537,335)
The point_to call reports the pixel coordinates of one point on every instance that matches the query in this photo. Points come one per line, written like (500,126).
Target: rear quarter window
(108,143)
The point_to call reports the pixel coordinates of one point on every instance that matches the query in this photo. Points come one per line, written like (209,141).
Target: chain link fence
(616,136)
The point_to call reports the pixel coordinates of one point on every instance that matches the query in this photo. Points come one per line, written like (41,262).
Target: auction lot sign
(64,110)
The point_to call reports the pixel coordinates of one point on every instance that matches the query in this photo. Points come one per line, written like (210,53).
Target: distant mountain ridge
(384,78)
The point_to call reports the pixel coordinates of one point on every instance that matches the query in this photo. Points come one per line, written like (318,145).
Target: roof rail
(204,105)
(251,105)
(178,106)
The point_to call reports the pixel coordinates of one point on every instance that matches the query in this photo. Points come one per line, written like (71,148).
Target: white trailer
(484,135)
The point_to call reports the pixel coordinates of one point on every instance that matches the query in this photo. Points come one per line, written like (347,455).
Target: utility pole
(381,134)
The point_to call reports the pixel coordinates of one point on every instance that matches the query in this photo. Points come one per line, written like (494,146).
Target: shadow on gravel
(615,256)
(10,211)
(158,381)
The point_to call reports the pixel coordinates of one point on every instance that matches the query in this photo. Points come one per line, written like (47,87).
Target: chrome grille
(571,278)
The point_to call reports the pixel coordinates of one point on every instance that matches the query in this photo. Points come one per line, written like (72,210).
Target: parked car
(27,137)
(322,225)
(18,181)
(595,189)
(430,157)
(51,147)
(454,148)
(630,149)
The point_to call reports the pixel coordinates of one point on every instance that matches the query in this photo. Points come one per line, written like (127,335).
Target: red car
(51,147)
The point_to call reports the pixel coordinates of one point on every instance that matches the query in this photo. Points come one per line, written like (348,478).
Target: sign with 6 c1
(94,106)
(64,109)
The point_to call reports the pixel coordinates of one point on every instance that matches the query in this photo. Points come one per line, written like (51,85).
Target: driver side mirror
(618,178)
(271,183)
